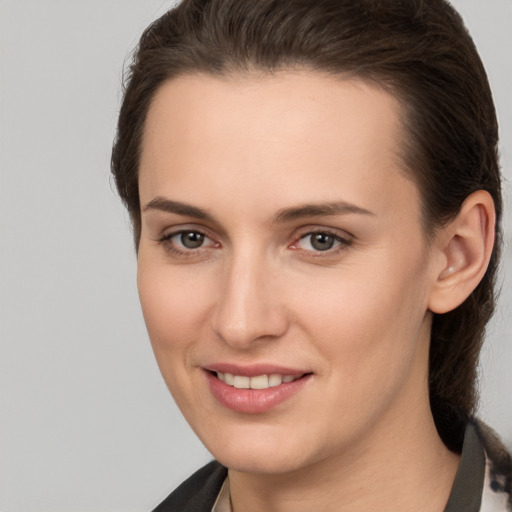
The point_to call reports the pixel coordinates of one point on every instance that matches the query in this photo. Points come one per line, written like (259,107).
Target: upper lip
(254,370)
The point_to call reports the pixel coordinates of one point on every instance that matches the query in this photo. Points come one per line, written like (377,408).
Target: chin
(261,451)
(261,463)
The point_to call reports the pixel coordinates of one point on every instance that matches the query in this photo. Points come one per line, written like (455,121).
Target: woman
(315,195)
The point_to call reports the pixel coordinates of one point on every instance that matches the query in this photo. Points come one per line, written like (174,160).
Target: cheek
(174,310)
(173,306)
(368,317)
(368,333)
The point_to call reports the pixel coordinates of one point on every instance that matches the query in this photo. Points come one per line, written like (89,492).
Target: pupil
(192,239)
(322,242)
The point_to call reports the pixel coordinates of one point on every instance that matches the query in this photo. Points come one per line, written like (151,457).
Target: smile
(261,391)
(258,382)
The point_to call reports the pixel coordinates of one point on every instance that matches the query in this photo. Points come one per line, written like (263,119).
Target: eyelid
(169,246)
(336,232)
(344,238)
(171,234)
(176,229)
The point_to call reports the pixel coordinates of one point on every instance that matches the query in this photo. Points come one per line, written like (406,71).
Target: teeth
(242,382)
(258,382)
(274,380)
(228,379)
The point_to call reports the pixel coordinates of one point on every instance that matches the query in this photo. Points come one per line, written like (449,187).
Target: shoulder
(497,492)
(198,493)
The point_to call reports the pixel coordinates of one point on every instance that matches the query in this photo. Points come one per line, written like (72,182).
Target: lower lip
(253,401)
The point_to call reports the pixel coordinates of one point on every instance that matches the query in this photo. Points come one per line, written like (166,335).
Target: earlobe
(465,247)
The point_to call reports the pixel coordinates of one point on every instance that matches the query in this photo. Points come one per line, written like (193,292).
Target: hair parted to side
(419,51)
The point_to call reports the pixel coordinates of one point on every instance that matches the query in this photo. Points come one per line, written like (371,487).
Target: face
(283,272)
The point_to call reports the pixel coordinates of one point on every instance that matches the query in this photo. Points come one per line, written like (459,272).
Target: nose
(249,308)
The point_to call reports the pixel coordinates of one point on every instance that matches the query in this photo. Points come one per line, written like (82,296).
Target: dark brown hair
(420,51)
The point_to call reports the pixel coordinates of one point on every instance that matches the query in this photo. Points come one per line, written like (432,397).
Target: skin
(357,316)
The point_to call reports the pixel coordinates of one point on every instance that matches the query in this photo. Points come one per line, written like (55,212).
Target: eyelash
(343,243)
(171,247)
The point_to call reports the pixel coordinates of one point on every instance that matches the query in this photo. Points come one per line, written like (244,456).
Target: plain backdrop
(86,423)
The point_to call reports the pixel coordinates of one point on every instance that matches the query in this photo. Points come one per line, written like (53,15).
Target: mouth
(264,381)
(258,392)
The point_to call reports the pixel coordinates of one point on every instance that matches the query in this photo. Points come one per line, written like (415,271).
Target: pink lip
(254,401)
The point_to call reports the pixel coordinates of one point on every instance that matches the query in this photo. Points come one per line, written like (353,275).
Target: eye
(321,241)
(187,241)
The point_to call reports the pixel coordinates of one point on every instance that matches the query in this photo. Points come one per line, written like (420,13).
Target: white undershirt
(223,501)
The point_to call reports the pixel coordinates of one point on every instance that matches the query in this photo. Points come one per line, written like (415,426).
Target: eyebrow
(318,210)
(284,215)
(169,206)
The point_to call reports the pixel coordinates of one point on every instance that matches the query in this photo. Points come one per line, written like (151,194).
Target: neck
(402,467)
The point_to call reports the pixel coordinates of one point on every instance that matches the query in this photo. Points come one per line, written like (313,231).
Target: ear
(464,247)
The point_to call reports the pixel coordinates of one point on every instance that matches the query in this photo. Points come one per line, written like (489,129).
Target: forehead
(291,102)
(302,132)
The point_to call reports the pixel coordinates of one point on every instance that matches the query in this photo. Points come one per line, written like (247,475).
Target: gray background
(86,423)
